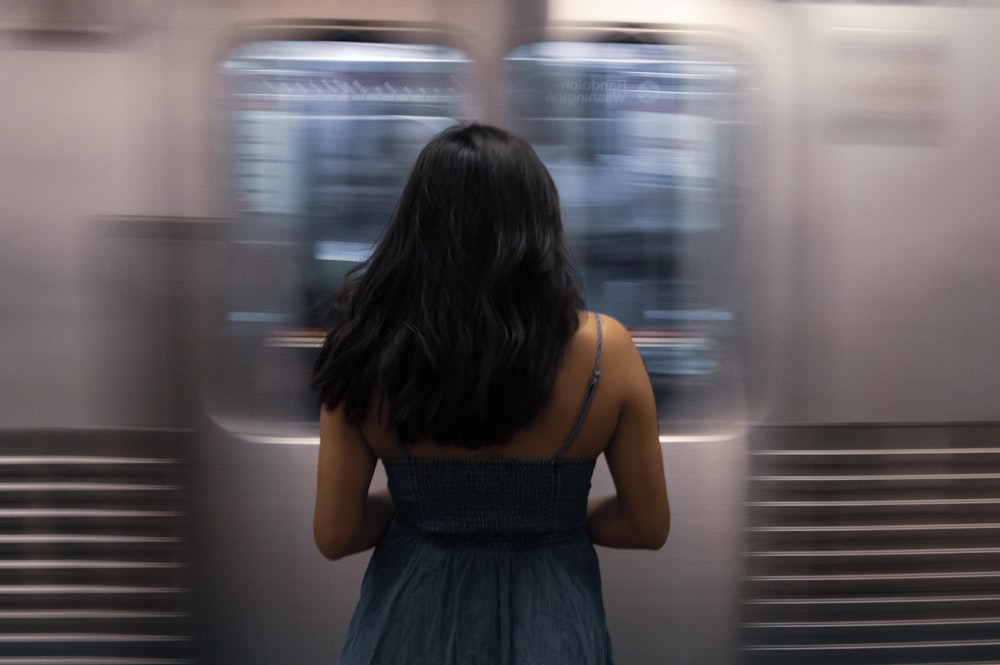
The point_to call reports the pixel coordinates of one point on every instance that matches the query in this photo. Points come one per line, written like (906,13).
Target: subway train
(794,206)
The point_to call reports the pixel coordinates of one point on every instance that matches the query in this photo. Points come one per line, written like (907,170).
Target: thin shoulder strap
(590,393)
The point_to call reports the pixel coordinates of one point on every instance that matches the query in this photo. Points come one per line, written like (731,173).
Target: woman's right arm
(638,515)
(348,518)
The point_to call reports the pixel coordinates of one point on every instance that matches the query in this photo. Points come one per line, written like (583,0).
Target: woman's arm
(638,516)
(347,518)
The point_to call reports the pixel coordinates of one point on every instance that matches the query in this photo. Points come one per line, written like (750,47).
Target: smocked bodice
(502,503)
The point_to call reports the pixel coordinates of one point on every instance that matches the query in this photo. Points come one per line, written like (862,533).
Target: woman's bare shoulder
(613,331)
(609,325)
(620,360)
(621,364)
(616,340)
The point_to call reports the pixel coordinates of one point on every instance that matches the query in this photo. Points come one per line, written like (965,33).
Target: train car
(791,205)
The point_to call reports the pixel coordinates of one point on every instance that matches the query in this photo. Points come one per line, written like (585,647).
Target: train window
(322,135)
(642,141)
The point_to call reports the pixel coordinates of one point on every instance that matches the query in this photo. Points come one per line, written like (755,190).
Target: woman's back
(495,497)
(620,423)
(465,364)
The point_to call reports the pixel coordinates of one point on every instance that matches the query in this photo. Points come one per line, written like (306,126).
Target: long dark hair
(458,321)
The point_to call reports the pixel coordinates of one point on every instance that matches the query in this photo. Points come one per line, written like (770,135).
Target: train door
(323,129)
(644,131)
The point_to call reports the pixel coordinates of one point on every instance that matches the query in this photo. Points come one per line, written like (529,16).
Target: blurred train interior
(794,206)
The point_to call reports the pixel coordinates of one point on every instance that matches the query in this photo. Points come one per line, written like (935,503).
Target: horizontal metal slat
(879,600)
(85,564)
(872,452)
(54,538)
(876,624)
(860,528)
(877,577)
(43,460)
(103,638)
(82,614)
(86,487)
(84,513)
(84,660)
(96,589)
(875,477)
(865,646)
(901,552)
(873,503)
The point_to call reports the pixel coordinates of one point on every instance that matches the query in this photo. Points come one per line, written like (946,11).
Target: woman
(466,363)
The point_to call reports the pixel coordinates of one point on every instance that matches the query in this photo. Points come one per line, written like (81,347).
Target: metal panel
(94,547)
(874,544)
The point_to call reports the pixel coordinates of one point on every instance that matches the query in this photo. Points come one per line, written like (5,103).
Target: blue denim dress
(486,562)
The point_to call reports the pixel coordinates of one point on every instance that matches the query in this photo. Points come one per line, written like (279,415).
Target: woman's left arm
(347,518)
